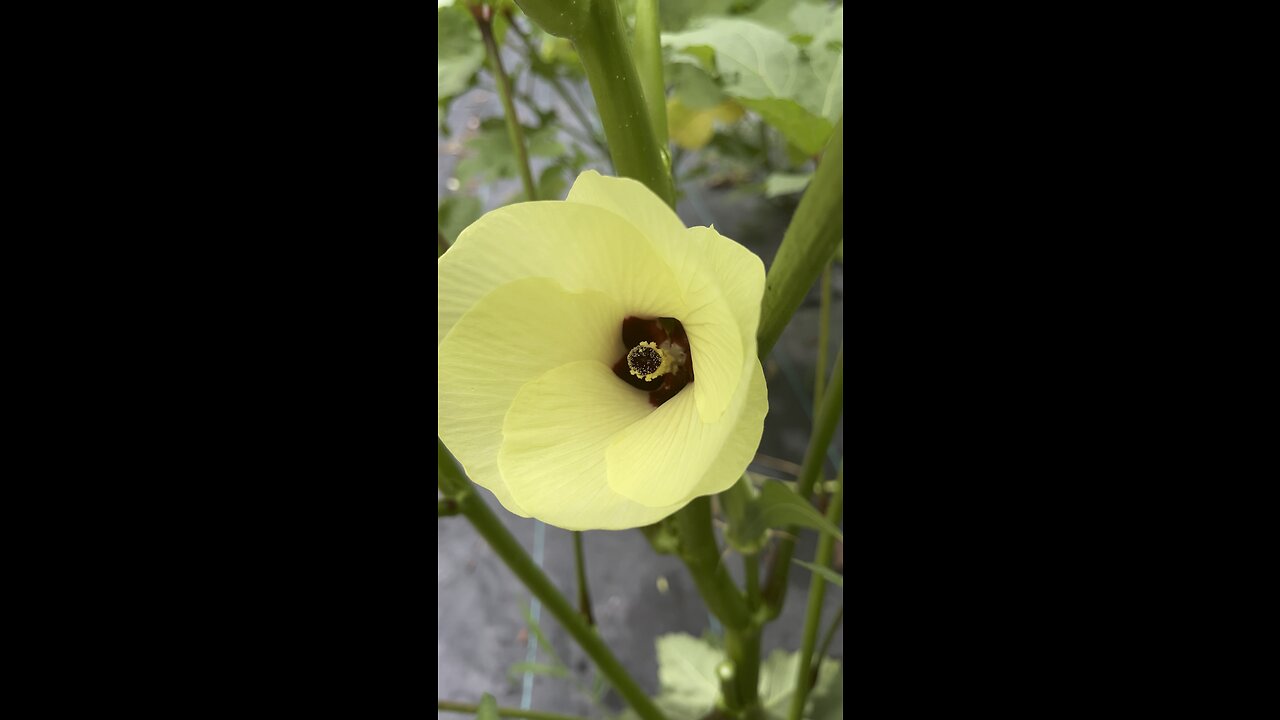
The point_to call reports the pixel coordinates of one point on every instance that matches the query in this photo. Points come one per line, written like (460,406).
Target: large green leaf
(798,91)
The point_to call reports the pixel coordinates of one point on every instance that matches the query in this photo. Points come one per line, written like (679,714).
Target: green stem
(828,416)
(701,553)
(810,240)
(751,568)
(742,647)
(447,508)
(606,56)
(824,336)
(453,484)
(817,591)
(826,644)
(648,49)
(584,596)
(447,706)
(484,18)
(588,128)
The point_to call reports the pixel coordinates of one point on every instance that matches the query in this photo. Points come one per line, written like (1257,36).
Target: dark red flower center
(652,345)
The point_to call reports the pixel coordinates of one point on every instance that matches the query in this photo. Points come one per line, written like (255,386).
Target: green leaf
(459,51)
(687,676)
(831,576)
(799,93)
(780,507)
(455,213)
(488,708)
(689,689)
(779,184)
(489,155)
(551,185)
(693,86)
(808,132)
(520,668)
(778,682)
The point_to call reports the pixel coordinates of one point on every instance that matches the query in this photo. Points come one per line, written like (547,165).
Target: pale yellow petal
(720,281)
(580,246)
(512,336)
(672,456)
(743,441)
(557,434)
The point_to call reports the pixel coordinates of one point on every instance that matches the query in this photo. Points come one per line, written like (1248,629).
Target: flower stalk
(580,564)
(454,485)
(483,15)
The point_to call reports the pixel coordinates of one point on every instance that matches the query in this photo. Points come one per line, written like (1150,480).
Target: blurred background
(740,162)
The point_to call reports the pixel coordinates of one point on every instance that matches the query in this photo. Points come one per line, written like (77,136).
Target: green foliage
(831,576)
(778,507)
(488,708)
(455,213)
(459,52)
(779,184)
(489,153)
(688,687)
(785,61)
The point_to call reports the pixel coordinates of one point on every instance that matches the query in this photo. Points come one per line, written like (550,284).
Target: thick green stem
(810,240)
(648,49)
(457,707)
(484,18)
(447,508)
(817,591)
(775,589)
(700,552)
(602,43)
(454,485)
(751,568)
(742,647)
(580,563)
